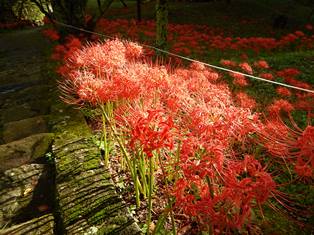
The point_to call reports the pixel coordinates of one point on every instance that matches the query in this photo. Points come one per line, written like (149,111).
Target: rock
(24,151)
(16,113)
(86,195)
(23,128)
(17,187)
(43,225)
(31,92)
(26,110)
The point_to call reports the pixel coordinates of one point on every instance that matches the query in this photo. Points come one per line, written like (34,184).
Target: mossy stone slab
(43,225)
(87,200)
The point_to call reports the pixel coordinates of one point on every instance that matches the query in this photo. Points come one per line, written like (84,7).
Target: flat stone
(24,111)
(16,113)
(23,128)
(43,225)
(17,187)
(25,92)
(24,151)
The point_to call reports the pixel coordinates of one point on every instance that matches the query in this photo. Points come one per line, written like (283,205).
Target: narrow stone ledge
(86,198)
(43,225)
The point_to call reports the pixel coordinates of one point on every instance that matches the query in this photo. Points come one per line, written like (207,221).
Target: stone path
(51,177)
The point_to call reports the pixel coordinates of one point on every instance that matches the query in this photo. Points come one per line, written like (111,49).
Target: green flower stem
(105,141)
(121,145)
(174,232)
(142,171)
(150,192)
(136,185)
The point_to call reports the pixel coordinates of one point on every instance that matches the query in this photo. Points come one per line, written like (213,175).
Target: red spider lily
(201,37)
(262,64)
(197,66)
(228,63)
(288,72)
(152,133)
(133,51)
(245,101)
(283,91)
(289,142)
(297,83)
(299,33)
(157,108)
(229,204)
(267,76)
(246,68)
(239,79)
(88,91)
(51,34)
(280,105)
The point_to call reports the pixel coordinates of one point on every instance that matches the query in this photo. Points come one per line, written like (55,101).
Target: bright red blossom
(152,133)
(280,105)
(239,79)
(246,68)
(51,34)
(267,76)
(262,64)
(283,91)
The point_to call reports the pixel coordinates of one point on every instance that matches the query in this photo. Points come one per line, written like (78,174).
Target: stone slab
(23,128)
(24,151)
(87,200)
(43,225)
(17,187)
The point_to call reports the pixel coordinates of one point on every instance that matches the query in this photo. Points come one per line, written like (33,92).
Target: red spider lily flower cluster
(52,34)
(189,113)
(246,68)
(188,39)
(262,64)
(152,133)
(283,91)
(287,141)
(239,79)
(245,101)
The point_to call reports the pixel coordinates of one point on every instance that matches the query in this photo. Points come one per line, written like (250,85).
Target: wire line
(191,60)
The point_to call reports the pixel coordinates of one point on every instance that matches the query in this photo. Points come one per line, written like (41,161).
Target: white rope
(193,60)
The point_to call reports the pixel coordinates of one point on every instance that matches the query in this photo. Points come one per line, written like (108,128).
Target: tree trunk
(70,12)
(161,23)
(139,11)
